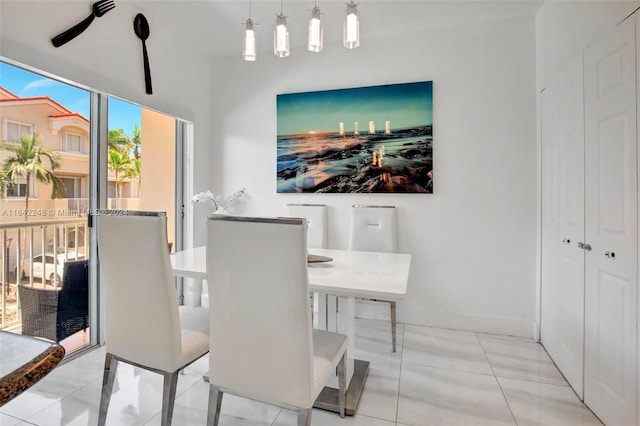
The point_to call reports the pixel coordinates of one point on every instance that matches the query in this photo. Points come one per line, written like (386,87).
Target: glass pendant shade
(315,31)
(249,52)
(351,33)
(281,37)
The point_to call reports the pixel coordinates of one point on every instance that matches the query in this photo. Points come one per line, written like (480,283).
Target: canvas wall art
(376,139)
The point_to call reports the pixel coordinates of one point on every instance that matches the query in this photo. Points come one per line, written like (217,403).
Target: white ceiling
(214,26)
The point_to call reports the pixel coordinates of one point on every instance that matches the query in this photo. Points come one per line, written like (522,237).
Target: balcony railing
(80,206)
(23,241)
(64,237)
(124,203)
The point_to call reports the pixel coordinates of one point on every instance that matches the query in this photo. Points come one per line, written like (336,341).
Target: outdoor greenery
(124,156)
(5,182)
(121,166)
(29,160)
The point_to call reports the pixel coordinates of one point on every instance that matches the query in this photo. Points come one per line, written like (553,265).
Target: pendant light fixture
(249,52)
(351,33)
(281,36)
(315,30)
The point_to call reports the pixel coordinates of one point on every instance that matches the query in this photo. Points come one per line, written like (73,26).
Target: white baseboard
(536,331)
(518,327)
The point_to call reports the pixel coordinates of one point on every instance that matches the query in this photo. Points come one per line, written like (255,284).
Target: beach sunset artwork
(375,139)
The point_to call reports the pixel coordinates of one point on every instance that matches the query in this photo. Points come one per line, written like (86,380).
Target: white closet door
(562,319)
(611,227)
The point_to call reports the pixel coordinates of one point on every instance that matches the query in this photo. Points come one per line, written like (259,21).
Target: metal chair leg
(393,324)
(168,396)
(110,369)
(342,385)
(215,402)
(304,417)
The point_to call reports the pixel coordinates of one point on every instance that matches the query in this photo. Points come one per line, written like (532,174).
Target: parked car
(47,270)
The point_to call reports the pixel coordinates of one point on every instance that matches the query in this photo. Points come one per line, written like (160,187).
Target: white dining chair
(374,228)
(144,327)
(265,347)
(316,216)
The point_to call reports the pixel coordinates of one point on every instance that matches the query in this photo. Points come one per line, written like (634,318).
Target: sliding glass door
(90,152)
(141,161)
(45,157)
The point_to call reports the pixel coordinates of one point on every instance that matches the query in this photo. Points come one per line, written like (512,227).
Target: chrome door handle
(584,246)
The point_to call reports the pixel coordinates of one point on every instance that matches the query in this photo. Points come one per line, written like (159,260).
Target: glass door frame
(94,99)
(98,193)
(98,187)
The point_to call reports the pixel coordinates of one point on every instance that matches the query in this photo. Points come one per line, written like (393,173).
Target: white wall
(565,28)
(108,57)
(474,240)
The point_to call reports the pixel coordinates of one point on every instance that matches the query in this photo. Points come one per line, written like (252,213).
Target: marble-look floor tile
(371,345)
(6,420)
(451,349)
(434,396)
(78,408)
(546,404)
(521,360)
(375,337)
(191,409)
(427,382)
(62,381)
(29,403)
(325,418)
(136,398)
(380,396)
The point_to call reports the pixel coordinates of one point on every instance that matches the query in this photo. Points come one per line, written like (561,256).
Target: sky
(404,105)
(25,84)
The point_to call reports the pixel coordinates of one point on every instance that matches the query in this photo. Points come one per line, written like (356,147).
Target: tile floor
(437,377)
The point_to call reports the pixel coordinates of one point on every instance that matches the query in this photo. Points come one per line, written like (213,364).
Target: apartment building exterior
(66,133)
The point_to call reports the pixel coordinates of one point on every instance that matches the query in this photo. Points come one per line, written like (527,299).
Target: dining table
(344,275)
(25,361)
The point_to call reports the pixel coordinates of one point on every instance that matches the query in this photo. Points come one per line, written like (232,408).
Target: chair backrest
(73,299)
(75,284)
(261,336)
(374,228)
(316,216)
(142,319)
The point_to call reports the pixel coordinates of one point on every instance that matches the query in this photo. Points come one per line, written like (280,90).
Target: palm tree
(119,141)
(27,161)
(135,171)
(5,182)
(120,165)
(136,140)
